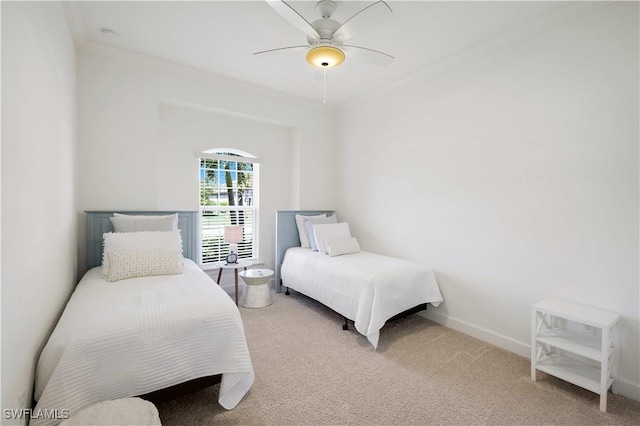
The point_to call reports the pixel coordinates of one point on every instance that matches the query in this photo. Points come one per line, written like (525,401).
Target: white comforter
(140,335)
(364,287)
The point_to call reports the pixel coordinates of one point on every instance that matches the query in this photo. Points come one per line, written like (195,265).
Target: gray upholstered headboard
(287,234)
(98,223)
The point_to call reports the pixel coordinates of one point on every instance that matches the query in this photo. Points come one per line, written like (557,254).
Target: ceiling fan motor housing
(325,28)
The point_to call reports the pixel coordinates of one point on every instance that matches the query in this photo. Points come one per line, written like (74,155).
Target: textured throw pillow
(308,225)
(139,223)
(332,231)
(302,232)
(342,246)
(139,241)
(136,263)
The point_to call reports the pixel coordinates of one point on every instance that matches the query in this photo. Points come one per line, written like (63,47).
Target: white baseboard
(480,333)
(626,388)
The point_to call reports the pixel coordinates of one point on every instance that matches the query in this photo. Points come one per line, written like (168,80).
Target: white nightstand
(587,357)
(224,265)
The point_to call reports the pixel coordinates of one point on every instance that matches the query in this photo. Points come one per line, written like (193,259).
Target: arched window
(229,195)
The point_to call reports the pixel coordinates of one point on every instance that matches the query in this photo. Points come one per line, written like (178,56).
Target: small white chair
(118,412)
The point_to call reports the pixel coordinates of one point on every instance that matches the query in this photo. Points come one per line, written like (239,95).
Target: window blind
(229,193)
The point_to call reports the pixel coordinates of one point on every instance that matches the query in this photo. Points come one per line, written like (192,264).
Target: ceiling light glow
(325,56)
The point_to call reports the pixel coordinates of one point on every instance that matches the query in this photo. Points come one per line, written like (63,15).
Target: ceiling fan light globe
(325,57)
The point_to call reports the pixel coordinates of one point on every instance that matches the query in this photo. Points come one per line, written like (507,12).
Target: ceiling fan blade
(281,49)
(362,20)
(294,18)
(370,56)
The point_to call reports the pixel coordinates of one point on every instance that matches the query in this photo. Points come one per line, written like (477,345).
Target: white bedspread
(132,337)
(364,287)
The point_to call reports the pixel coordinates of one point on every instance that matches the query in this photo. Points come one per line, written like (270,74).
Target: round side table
(224,265)
(256,293)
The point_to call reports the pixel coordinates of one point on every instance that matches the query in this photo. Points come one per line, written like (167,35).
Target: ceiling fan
(326,47)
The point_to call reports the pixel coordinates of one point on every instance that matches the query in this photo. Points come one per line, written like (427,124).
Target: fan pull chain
(324,86)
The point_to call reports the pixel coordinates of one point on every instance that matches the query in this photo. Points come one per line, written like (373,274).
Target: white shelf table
(590,361)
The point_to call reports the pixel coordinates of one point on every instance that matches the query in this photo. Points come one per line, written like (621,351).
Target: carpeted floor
(309,371)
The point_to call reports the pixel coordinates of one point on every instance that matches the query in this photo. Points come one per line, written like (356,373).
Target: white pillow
(142,216)
(342,246)
(139,241)
(324,232)
(139,223)
(126,264)
(308,225)
(302,232)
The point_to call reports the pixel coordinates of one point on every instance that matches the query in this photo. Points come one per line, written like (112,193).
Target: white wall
(39,218)
(141,122)
(185,131)
(514,175)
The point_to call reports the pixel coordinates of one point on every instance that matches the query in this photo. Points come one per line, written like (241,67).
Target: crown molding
(566,13)
(196,74)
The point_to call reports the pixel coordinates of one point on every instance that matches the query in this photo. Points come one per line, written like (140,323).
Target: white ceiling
(220,37)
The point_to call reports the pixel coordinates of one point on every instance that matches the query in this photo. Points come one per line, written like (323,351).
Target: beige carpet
(310,371)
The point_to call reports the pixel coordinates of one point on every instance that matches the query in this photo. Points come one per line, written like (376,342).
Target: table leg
(236,285)
(219,275)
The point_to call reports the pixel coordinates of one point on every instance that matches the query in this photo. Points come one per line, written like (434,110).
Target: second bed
(367,288)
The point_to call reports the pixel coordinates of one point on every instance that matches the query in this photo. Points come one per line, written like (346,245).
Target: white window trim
(243,157)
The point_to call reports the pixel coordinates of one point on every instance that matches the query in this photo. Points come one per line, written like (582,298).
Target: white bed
(136,336)
(366,288)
